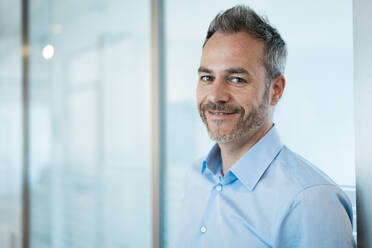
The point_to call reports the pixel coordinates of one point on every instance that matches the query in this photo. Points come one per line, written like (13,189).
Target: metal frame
(158,119)
(363,120)
(25,126)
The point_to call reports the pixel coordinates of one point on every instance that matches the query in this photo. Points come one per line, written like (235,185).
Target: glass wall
(10,124)
(315,115)
(90,111)
(90,124)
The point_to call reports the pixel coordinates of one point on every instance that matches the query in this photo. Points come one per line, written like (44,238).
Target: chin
(224,137)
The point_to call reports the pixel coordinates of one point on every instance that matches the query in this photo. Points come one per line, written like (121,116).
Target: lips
(220,112)
(219,115)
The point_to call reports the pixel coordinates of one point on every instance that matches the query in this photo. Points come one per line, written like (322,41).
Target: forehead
(236,49)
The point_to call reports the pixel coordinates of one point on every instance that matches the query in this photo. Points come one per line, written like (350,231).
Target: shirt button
(219,188)
(203,229)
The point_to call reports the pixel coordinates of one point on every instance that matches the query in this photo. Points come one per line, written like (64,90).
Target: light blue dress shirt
(271,197)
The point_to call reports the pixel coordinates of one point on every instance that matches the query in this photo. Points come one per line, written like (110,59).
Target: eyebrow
(233,70)
(237,70)
(204,69)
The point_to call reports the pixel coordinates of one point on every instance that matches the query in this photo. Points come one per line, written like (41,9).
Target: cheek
(200,95)
(247,101)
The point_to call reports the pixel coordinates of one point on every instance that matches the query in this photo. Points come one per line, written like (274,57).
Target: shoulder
(300,172)
(305,181)
(317,216)
(314,204)
(289,174)
(300,183)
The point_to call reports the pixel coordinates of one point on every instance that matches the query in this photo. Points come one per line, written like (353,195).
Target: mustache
(219,106)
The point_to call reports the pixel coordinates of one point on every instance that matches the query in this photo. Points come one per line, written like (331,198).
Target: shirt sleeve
(319,216)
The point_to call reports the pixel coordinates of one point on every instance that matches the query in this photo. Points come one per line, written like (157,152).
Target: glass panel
(317,103)
(10,124)
(90,124)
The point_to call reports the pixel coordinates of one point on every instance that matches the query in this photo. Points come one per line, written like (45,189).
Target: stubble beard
(247,124)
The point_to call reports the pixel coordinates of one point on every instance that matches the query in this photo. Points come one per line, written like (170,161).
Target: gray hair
(243,18)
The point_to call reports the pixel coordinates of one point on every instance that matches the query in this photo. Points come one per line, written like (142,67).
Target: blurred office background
(89,127)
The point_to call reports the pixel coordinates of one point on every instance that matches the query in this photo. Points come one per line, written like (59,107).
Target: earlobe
(277,88)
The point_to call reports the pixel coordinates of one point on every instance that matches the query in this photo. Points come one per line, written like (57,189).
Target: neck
(231,152)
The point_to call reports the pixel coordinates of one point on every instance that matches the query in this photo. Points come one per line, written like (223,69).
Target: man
(251,190)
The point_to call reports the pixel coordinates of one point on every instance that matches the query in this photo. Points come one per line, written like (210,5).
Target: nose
(218,91)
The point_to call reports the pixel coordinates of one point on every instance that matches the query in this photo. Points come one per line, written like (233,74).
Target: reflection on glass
(10,125)
(90,124)
(317,103)
(48,52)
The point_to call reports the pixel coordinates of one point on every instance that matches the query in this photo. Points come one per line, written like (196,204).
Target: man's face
(232,98)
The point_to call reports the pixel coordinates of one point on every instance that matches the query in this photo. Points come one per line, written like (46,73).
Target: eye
(238,80)
(206,78)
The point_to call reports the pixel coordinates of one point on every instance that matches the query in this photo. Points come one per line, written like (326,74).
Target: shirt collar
(213,159)
(249,168)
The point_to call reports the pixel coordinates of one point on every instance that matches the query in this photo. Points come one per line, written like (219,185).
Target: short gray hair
(243,18)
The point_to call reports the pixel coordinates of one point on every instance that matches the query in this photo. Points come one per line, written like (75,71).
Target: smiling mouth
(215,114)
(220,113)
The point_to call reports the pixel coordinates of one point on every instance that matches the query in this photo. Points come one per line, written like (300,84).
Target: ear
(277,89)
